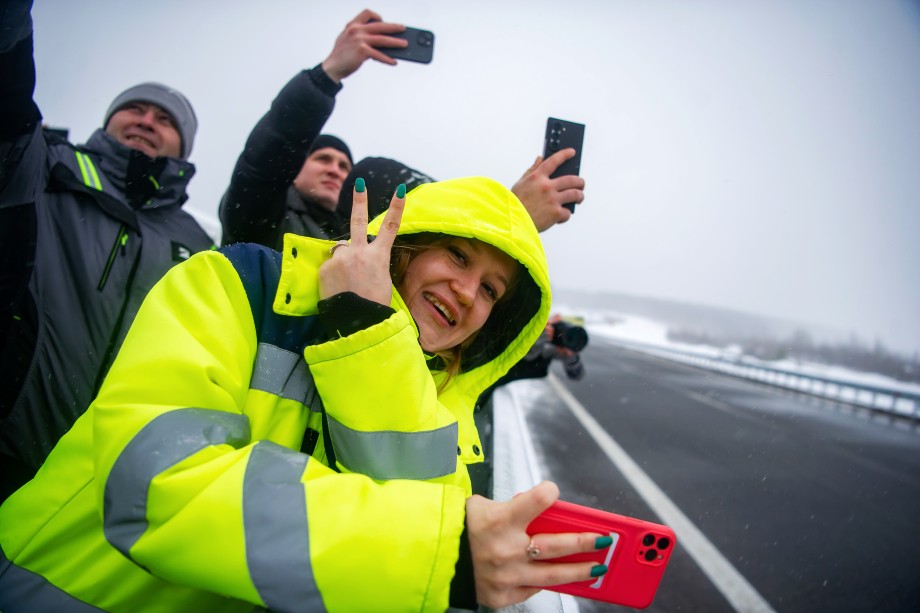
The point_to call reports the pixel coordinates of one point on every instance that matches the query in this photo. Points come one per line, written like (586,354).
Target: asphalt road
(816,505)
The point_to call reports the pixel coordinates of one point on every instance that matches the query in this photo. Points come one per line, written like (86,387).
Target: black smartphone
(420,49)
(562,134)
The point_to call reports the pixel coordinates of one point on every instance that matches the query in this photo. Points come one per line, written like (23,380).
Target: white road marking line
(726,578)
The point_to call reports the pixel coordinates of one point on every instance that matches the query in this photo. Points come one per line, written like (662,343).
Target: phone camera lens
(651,555)
(664,542)
(648,540)
(424,39)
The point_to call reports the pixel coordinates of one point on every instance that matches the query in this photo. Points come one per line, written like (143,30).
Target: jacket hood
(481,208)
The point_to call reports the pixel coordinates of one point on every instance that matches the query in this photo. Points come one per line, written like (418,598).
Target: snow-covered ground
(643,332)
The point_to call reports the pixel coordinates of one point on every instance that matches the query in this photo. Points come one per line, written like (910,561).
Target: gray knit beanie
(168,99)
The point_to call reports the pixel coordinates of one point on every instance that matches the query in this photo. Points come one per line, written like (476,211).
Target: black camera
(574,369)
(569,336)
(575,338)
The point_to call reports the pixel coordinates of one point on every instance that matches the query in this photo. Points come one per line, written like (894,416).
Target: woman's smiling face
(450,289)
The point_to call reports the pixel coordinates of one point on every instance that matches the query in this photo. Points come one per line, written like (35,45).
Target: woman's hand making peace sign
(360,266)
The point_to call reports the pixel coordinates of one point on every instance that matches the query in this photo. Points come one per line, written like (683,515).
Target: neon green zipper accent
(121,241)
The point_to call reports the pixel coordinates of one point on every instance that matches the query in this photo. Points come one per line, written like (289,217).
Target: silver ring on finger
(533,552)
(337,245)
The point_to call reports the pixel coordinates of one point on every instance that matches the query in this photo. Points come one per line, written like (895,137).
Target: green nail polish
(602,541)
(359,185)
(401,191)
(598,570)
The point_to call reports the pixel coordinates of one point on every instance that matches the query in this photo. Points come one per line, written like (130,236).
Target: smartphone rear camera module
(425,39)
(648,540)
(651,555)
(663,543)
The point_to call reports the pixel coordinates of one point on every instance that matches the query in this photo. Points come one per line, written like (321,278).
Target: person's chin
(432,343)
(145,149)
(425,339)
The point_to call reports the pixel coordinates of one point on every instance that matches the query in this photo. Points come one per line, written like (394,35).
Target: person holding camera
(281,427)
(561,340)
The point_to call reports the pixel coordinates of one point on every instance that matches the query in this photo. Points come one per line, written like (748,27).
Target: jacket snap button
(475,449)
(287,299)
(293,252)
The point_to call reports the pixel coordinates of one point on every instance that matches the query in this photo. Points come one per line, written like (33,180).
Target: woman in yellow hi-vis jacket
(290,431)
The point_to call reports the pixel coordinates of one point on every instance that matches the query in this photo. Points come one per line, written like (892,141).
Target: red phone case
(635,560)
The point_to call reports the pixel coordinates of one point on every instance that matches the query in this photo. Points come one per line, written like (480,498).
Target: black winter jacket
(260,206)
(85,232)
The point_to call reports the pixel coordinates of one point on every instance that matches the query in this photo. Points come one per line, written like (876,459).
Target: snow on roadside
(633,328)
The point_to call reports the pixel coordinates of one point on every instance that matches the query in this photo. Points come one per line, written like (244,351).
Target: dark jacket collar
(145,182)
(331,223)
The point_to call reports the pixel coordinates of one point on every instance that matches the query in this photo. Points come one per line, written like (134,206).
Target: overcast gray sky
(756,155)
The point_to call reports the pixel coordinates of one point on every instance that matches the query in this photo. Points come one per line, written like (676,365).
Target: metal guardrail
(888,400)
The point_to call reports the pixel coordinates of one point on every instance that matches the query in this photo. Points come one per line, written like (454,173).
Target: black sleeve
(254,204)
(346,313)
(463,585)
(18,113)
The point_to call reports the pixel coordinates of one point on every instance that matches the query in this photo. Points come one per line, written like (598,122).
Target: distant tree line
(853,354)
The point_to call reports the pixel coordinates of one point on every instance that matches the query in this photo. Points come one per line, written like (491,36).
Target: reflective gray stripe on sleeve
(285,374)
(23,590)
(396,455)
(277,535)
(165,441)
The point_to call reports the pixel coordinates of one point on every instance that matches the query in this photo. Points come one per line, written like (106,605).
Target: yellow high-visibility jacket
(198,480)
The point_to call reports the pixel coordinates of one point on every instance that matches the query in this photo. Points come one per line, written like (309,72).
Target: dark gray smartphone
(562,134)
(420,49)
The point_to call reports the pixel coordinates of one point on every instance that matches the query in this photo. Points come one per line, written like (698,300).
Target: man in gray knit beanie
(143,117)
(85,231)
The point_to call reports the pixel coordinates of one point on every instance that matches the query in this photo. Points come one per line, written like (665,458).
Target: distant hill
(763,337)
(687,316)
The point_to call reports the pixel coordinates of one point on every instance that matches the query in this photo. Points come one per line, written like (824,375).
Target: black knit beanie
(381,176)
(328,140)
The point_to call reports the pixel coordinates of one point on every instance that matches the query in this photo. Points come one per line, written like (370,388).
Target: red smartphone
(635,560)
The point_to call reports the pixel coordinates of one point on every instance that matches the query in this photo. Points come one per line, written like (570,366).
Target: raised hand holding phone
(365,37)
(545,197)
(562,134)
